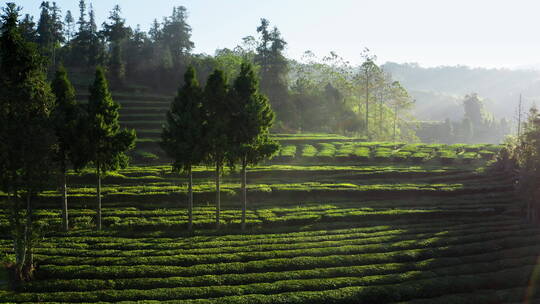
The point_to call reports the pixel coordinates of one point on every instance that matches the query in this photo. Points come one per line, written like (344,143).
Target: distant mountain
(439,91)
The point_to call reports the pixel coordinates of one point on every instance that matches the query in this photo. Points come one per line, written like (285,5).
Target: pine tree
(116,32)
(217,135)
(45,28)
(176,33)
(96,48)
(69,28)
(182,135)
(108,143)
(26,139)
(88,49)
(274,68)
(251,121)
(50,30)
(27,27)
(67,118)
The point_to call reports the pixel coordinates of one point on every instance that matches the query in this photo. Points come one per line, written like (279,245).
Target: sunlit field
(330,220)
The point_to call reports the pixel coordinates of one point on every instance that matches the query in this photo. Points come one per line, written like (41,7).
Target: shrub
(361,153)
(447,156)
(308,151)
(485,154)
(326,152)
(419,157)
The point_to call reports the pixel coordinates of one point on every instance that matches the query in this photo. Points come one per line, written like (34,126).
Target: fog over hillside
(445,86)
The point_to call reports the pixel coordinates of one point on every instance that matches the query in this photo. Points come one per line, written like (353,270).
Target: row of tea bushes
(383,152)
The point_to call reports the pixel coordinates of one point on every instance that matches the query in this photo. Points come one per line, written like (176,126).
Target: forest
(313,94)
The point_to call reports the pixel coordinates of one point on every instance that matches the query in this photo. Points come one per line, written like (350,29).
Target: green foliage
(182,137)
(108,143)
(274,68)
(326,151)
(218,117)
(447,156)
(26,139)
(251,119)
(68,119)
(362,153)
(308,151)
(288,152)
(148,156)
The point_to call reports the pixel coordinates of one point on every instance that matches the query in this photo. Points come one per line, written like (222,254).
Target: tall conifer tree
(252,120)
(217,135)
(26,140)
(67,117)
(108,143)
(182,135)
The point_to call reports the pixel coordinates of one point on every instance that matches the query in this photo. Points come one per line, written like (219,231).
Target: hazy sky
(487,33)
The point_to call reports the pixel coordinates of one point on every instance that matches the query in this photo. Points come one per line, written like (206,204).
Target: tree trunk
(533,212)
(528,211)
(65,220)
(218,197)
(380,116)
(190,200)
(395,123)
(244,193)
(367,106)
(19,241)
(98,173)
(28,267)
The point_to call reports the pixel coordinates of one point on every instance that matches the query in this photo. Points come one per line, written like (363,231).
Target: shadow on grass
(3,278)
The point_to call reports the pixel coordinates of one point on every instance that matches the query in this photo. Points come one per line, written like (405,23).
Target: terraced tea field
(331,219)
(374,230)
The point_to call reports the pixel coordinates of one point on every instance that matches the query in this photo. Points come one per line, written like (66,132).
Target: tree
(107,142)
(69,28)
(274,68)
(448,131)
(96,46)
(116,32)
(27,27)
(137,51)
(369,72)
(252,119)
(171,47)
(45,27)
(87,49)
(400,101)
(382,92)
(26,138)
(474,109)
(217,135)
(176,34)
(82,40)
(67,124)
(522,156)
(155,31)
(49,30)
(182,134)
(82,16)
(467,130)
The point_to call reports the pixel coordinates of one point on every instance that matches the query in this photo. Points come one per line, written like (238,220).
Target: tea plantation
(331,219)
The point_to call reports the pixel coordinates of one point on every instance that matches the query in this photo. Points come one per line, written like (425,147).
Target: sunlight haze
(432,33)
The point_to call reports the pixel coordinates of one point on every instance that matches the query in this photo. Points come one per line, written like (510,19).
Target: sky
(476,33)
